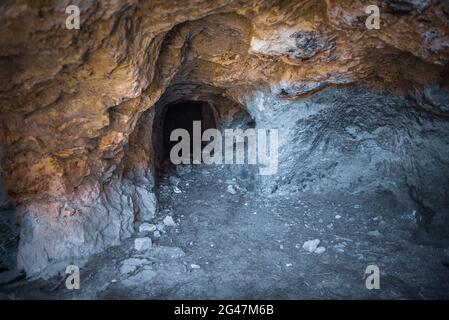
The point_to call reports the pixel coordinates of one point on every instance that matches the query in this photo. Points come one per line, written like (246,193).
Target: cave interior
(362,171)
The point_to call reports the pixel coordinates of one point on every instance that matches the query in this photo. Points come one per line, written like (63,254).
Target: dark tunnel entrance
(180,115)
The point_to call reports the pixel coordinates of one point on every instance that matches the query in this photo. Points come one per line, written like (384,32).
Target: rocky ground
(214,238)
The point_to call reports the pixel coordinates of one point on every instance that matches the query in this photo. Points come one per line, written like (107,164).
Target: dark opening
(181,115)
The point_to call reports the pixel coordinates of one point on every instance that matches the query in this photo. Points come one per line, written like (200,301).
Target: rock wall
(356,140)
(76,161)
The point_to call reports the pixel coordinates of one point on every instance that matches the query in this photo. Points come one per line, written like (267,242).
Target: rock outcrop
(78,106)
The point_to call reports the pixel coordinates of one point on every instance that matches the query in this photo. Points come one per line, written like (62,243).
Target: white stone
(311,245)
(147,227)
(374,233)
(146,201)
(195,266)
(320,250)
(176,190)
(169,222)
(337,216)
(141,244)
(231,189)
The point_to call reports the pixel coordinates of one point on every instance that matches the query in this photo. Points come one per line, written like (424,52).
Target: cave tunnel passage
(181,115)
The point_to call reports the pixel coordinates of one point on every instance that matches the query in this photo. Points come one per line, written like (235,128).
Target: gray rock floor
(244,246)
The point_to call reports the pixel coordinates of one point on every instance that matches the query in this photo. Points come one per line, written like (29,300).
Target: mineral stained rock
(357,108)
